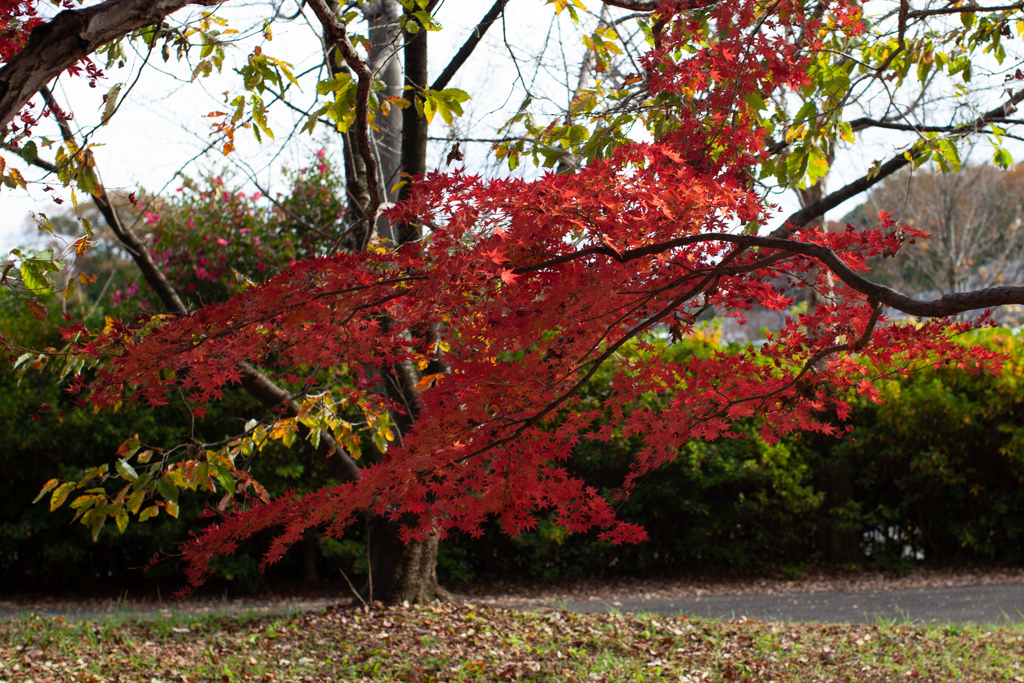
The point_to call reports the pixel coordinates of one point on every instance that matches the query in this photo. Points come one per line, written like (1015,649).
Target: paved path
(992,604)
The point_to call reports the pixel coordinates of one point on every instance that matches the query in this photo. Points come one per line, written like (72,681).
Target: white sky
(160,129)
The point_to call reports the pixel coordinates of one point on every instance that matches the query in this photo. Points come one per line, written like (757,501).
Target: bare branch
(962,9)
(337,32)
(950,304)
(834,199)
(635,5)
(652,5)
(71,35)
(467,48)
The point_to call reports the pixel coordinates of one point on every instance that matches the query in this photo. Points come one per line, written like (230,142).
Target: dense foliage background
(932,474)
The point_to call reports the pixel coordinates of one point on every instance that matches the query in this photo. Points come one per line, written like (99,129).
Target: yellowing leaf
(60,495)
(47,487)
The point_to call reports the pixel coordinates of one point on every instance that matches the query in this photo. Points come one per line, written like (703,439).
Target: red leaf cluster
(535,285)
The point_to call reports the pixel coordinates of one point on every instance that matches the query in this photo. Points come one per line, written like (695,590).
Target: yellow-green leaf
(60,495)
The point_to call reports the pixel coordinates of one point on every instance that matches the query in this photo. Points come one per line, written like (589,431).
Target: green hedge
(936,472)
(40,550)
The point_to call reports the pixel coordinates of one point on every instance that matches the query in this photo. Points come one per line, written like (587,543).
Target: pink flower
(191,223)
(320,154)
(131,290)
(222,242)
(261,266)
(151,218)
(256,195)
(201,273)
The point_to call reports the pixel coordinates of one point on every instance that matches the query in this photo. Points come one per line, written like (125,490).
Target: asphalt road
(992,604)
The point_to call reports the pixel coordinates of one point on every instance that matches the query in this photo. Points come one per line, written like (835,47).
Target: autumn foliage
(518,292)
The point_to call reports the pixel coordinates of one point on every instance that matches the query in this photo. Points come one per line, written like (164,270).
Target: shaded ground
(926,596)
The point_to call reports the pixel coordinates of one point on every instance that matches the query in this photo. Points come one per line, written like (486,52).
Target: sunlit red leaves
(528,314)
(535,284)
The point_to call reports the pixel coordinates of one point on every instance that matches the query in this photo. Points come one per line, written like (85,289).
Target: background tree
(972,217)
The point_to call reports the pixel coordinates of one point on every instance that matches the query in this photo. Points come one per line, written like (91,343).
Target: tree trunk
(309,572)
(400,572)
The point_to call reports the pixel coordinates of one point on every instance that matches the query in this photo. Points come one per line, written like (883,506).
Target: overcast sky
(161,130)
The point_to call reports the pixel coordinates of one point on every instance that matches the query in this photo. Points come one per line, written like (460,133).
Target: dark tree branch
(901,32)
(834,199)
(962,9)
(335,30)
(635,5)
(71,35)
(414,126)
(863,123)
(950,304)
(441,82)
(652,5)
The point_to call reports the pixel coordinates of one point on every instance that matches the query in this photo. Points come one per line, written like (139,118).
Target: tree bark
(400,572)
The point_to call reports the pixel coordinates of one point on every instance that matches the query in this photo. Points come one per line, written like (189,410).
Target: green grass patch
(448,642)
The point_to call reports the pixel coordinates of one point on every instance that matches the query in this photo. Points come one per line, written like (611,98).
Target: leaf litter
(466,642)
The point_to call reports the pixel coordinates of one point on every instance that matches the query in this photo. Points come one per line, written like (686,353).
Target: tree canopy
(463,311)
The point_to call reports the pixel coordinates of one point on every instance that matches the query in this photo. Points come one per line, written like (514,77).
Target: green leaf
(96,525)
(950,154)
(29,152)
(817,166)
(1002,158)
(126,470)
(755,101)
(86,501)
(226,480)
(110,104)
(121,518)
(168,490)
(135,501)
(172,509)
(151,511)
(33,274)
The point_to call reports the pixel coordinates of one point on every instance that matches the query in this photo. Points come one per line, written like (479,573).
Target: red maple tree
(515,295)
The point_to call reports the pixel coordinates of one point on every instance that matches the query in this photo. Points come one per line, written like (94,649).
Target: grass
(447,642)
